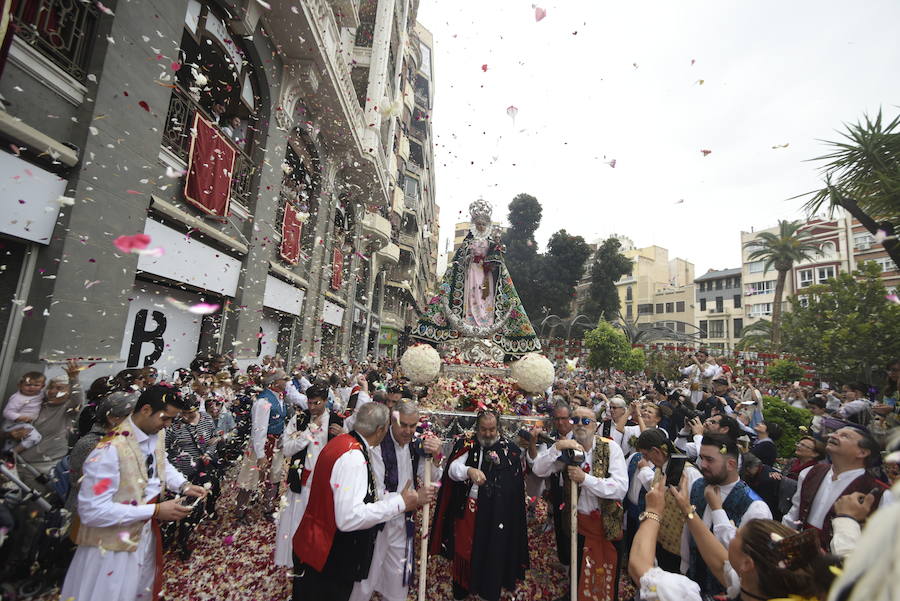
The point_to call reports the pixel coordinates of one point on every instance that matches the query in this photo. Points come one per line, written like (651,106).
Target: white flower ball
(534,373)
(421,363)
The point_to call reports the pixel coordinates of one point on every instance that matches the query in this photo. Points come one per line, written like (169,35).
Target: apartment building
(266,149)
(719,308)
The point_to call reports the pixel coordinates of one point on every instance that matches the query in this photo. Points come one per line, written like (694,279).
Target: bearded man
(480,519)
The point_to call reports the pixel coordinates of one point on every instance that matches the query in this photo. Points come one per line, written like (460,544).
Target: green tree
(608,346)
(847,328)
(633,362)
(608,266)
(562,266)
(794,423)
(784,370)
(756,337)
(862,176)
(522,258)
(790,245)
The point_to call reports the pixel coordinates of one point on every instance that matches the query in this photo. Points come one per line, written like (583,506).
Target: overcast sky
(598,80)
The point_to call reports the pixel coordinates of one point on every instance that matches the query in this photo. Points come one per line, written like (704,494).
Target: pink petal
(539,13)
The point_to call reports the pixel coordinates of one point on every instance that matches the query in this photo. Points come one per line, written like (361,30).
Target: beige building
(413,213)
(461,230)
(659,291)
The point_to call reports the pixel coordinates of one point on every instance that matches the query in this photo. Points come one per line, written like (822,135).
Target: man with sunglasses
(601,476)
(119,506)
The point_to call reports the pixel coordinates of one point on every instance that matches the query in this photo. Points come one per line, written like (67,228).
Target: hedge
(791,419)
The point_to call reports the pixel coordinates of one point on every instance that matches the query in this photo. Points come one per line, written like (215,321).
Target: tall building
(413,214)
(268,152)
(659,290)
(719,308)
(829,236)
(864,248)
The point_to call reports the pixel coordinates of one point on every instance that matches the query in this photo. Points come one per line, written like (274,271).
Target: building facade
(658,289)
(260,160)
(719,308)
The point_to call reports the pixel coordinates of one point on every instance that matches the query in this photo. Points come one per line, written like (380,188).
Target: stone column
(379,70)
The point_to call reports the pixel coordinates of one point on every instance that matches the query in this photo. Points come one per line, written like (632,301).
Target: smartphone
(674,469)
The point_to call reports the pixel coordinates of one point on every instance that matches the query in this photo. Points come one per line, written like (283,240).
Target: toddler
(22,408)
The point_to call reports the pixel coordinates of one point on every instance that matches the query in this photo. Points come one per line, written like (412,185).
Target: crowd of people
(674,485)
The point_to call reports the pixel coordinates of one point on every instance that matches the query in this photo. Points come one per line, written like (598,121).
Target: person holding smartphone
(657,459)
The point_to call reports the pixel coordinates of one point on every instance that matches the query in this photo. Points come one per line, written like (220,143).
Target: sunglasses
(583,420)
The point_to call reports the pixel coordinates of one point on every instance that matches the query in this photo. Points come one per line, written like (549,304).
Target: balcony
(347,12)
(408,240)
(61,30)
(391,319)
(176,139)
(403,148)
(389,255)
(378,227)
(408,96)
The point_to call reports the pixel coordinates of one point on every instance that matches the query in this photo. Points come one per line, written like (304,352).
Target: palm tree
(652,332)
(862,176)
(790,245)
(756,336)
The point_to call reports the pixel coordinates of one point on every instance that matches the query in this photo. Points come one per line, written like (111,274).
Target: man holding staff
(398,459)
(602,480)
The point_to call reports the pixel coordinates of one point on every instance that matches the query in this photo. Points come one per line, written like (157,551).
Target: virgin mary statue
(477,298)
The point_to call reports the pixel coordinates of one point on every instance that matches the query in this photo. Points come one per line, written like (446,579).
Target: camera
(571,457)
(542,438)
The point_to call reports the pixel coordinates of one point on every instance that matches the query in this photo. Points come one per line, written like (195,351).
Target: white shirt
(643,478)
(259,425)
(829,491)
(349,481)
(361,400)
(459,471)
(691,449)
(99,510)
(722,526)
(315,437)
(613,487)
(404,465)
(295,397)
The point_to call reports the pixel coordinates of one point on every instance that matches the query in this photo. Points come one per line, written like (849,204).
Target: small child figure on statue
(22,408)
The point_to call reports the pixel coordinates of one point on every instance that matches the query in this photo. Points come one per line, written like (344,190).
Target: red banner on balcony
(291,227)
(337,269)
(210,166)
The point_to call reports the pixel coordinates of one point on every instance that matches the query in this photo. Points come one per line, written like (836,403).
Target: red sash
(313,538)
(464,537)
(598,568)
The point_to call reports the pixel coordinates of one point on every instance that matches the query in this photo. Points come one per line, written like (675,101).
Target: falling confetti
(197,309)
(539,13)
(102,486)
(128,244)
(706,153)
(484,68)
(785,145)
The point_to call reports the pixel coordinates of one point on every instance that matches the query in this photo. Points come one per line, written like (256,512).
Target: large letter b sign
(140,335)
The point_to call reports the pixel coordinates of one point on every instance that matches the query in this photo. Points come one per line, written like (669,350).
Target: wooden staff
(573,543)
(423,549)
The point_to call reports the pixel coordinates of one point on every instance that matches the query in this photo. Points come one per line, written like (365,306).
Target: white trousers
(388,563)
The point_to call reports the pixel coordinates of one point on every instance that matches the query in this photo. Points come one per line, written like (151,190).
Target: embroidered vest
(276,413)
(132,484)
(811,484)
(611,510)
(672,519)
(735,505)
(317,541)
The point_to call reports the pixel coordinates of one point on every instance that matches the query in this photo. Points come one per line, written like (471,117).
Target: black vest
(298,460)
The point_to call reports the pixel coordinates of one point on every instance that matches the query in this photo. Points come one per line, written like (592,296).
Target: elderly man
(397,460)
(264,459)
(480,519)
(851,451)
(335,543)
(602,480)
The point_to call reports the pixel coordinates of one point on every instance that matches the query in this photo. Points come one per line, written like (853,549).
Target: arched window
(628,294)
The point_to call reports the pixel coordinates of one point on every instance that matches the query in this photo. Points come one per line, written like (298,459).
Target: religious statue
(476,297)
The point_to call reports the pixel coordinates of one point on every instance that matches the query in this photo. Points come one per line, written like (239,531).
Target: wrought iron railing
(61,30)
(177,139)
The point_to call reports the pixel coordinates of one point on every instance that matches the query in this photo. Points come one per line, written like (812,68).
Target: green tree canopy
(608,266)
(563,266)
(847,328)
(608,346)
(633,362)
(784,370)
(791,244)
(522,258)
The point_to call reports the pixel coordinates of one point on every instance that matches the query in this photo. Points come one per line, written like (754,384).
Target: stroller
(36,552)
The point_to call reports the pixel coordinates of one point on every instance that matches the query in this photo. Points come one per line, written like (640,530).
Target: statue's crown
(480,210)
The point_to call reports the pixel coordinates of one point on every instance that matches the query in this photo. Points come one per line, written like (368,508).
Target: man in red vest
(851,451)
(334,543)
